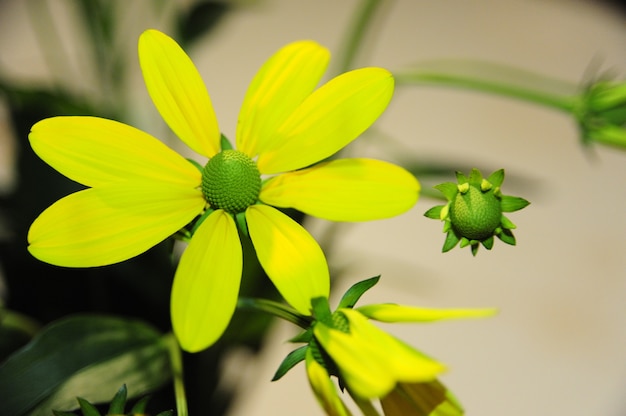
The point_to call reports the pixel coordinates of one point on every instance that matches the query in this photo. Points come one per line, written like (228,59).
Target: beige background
(558,346)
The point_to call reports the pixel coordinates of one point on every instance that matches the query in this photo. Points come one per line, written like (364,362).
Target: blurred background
(558,345)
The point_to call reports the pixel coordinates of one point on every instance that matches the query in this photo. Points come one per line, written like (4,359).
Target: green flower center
(475,214)
(231,181)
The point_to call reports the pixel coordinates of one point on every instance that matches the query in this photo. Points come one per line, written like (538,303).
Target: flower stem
(276,309)
(176,364)
(495,79)
(354,38)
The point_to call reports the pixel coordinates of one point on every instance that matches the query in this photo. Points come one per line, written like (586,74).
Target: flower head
(474,212)
(601,113)
(140,192)
(370,363)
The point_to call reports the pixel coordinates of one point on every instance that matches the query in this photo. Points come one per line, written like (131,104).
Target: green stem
(354,39)
(176,363)
(498,80)
(50,45)
(276,309)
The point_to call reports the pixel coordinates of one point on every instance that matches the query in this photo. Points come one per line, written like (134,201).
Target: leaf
(512,203)
(496,178)
(87,356)
(434,213)
(451,241)
(448,189)
(119,402)
(290,361)
(352,295)
(140,407)
(201,18)
(87,408)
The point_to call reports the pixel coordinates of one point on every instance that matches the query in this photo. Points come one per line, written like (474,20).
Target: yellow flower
(373,365)
(140,192)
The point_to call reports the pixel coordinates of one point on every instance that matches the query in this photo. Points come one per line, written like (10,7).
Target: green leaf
(140,407)
(321,310)
(507,223)
(15,331)
(119,401)
(87,408)
(475,177)
(448,189)
(434,213)
(352,295)
(451,241)
(290,361)
(507,236)
(496,178)
(512,203)
(461,178)
(304,336)
(166,413)
(488,243)
(87,356)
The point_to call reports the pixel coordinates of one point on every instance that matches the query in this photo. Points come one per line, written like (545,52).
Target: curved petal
(96,151)
(329,119)
(178,92)
(370,360)
(206,285)
(289,255)
(324,389)
(431,398)
(100,226)
(389,312)
(345,190)
(282,83)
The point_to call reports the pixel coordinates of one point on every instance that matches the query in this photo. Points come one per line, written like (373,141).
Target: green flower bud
(601,113)
(474,212)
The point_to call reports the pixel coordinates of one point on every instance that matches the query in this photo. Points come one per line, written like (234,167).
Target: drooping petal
(178,92)
(345,190)
(96,151)
(324,389)
(289,255)
(100,226)
(389,312)
(371,361)
(329,119)
(282,83)
(428,399)
(206,285)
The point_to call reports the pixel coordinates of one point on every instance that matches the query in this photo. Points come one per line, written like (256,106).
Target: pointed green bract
(119,402)
(513,203)
(293,358)
(352,295)
(434,213)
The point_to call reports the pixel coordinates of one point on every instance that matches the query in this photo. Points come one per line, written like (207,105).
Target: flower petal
(282,83)
(96,151)
(206,285)
(328,120)
(390,312)
(324,389)
(345,190)
(432,399)
(178,92)
(289,255)
(370,360)
(100,226)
